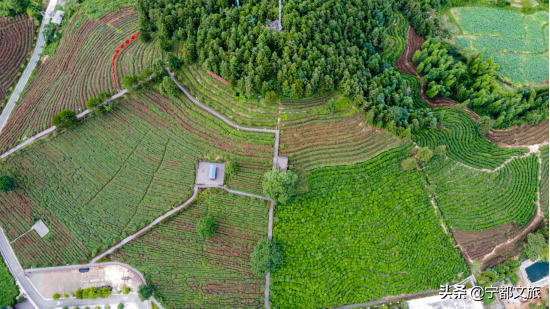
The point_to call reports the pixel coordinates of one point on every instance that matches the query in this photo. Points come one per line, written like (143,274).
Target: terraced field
(220,97)
(313,138)
(16,40)
(472,200)
(544,182)
(80,69)
(140,163)
(187,271)
(398,36)
(363,232)
(463,143)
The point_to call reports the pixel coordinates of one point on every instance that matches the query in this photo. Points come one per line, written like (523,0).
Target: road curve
(30,67)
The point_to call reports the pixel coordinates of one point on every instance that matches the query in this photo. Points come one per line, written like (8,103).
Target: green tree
(144,292)
(128,82)
(408,164)
(126,289)
(173,62)
(536,247)
(120,306)
(424,154)
(158,68)
(56,296)
(278,185)
(330,106)
(65,119)
(206,226)
(271,97)
(266,257)
(484,125)
(7,183)
(440,150)
(168,87)
(66,295)
(79,294)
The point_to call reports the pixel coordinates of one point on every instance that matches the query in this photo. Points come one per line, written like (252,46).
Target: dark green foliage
(50,33)
(507,269)
(13,7)
(278,185)
(266,257)
(424,154)
(231,168)
(361,224)
(129,81)
(8,288)
(168,87)
(7,183)
(65,119)
(144,292)
(173,62)
(473,78)
(206,226)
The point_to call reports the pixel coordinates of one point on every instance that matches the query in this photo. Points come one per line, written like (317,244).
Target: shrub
(120,306)
(278,185)
(484,125)
(266,257)
(330,106)
(126,289)
(66,295)
(21,299)
(536,247)
(440,150)
(469,285)
(56,296)
(231,168)
(408,164)
(206,226)
(7,183)
(144,292)
(424,154)
(168,87)
(65,119)
(173,62)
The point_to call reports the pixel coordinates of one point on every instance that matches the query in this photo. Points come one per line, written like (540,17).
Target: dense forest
(473,79)
(13,7)
(324,45)
(333,45)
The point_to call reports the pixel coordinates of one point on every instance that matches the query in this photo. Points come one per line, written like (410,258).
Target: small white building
(40,228)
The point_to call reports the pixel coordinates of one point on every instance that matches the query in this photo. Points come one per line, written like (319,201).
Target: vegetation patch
(519,45)
(543,187)
(139,164)
(184,270)
(472,200)
(7,286)
(363,232)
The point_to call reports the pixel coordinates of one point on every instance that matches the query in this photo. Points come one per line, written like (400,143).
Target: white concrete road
(30,67)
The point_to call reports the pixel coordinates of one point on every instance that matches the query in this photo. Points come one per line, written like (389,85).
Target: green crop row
(472,200)
(213,273)
(363,232)
(543,188)
(463,142)
(397,33)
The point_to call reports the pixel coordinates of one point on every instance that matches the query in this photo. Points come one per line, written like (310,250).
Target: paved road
(39,302)
(30,67)
(190,97)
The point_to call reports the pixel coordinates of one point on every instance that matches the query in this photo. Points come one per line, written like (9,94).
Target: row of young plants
(363,232)
(209,273)
(398,34)
(471,200)
(18,35)
(140,163)
(543,186)
(463,141)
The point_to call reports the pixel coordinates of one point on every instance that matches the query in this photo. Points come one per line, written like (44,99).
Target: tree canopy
(65,119)
(266,257)
(536,246)
(168,87)
(7,183)
(206,226)
(278,185)
(144,292)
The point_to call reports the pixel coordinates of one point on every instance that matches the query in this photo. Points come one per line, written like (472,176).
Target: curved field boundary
(40,43)
(514,136)
(118,51)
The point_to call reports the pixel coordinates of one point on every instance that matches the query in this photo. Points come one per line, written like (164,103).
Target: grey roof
(282,163)
(58,17)
(40,228)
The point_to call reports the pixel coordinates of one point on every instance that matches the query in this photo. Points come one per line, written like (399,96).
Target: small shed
(212,172)
(281,163)
(40,228)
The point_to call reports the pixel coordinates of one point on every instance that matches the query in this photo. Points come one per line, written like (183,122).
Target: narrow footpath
(40,43)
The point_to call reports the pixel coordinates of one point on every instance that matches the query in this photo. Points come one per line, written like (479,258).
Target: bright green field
(519,45)
(8,289)
(363,232)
